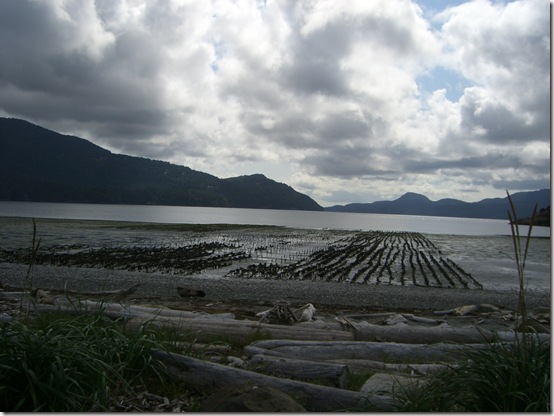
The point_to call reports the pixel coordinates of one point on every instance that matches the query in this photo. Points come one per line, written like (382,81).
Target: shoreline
(486,258)
(162,288)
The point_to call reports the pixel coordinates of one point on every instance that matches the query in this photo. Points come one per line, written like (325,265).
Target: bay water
(285,218)
(483,247)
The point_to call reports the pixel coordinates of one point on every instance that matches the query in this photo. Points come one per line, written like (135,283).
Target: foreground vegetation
(501,378)
(77,364)
(57,363)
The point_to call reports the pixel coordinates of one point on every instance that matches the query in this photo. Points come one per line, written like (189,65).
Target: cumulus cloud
(333,98)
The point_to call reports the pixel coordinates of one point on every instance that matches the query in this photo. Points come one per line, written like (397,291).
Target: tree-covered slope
(37,164)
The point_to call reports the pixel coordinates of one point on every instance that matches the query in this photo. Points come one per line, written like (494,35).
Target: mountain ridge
(38,164)
(417,204)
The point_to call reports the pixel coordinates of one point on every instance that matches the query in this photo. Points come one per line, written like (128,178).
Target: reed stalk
(520,251)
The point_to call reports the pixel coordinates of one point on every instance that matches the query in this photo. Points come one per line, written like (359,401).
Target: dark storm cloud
(344,126)
(522,185)
(500,124)
(491,161)
(315,67)
(315,76)
(432,165)
(49,71)
(349,162)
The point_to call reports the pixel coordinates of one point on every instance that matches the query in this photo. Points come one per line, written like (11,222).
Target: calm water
(293,219)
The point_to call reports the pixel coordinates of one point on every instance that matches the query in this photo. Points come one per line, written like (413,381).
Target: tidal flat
(264,263)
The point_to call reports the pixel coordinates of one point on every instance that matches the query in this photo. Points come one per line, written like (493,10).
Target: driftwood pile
(291,356)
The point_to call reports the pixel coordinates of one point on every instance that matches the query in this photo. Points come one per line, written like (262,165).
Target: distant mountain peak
(416,204)
(413,197)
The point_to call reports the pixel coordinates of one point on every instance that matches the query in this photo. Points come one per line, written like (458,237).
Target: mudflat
(257,265)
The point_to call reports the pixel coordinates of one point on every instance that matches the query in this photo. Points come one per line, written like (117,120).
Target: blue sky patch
(439,78)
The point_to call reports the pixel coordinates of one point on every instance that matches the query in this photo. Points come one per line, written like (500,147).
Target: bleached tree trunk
(360,350)
(300,369)
(205,376)
(420,334)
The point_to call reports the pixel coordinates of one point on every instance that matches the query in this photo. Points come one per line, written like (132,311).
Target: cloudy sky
(346,101)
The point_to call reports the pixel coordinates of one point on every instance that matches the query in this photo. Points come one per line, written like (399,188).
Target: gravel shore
(163,287)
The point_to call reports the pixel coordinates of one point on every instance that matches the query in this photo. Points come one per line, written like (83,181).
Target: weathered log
(13,295)
(146,312)
(207,329)
(510,336)
(209,377)
(120,311)
(369,315)
(355,366)
(407,334)
(421,319)
(118,293)
(337,374)
(45,296)
(468,309)
(364,366)
(397,331)
(376,351)
(421,335)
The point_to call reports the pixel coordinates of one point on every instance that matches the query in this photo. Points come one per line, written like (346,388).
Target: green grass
(500,378)
(72,364)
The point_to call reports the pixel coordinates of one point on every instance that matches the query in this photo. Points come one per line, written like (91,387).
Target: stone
(396,319)
(387,384)
(186,292)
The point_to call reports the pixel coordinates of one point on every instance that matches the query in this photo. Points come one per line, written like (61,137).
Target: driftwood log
(224,324)
(207,329)
(421,334)
(357,365)
(301,368)
(39,294)
(203,326)
(117,293)
(359,350)
(337,374)
(208,376)
(365,366)
(145,312)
